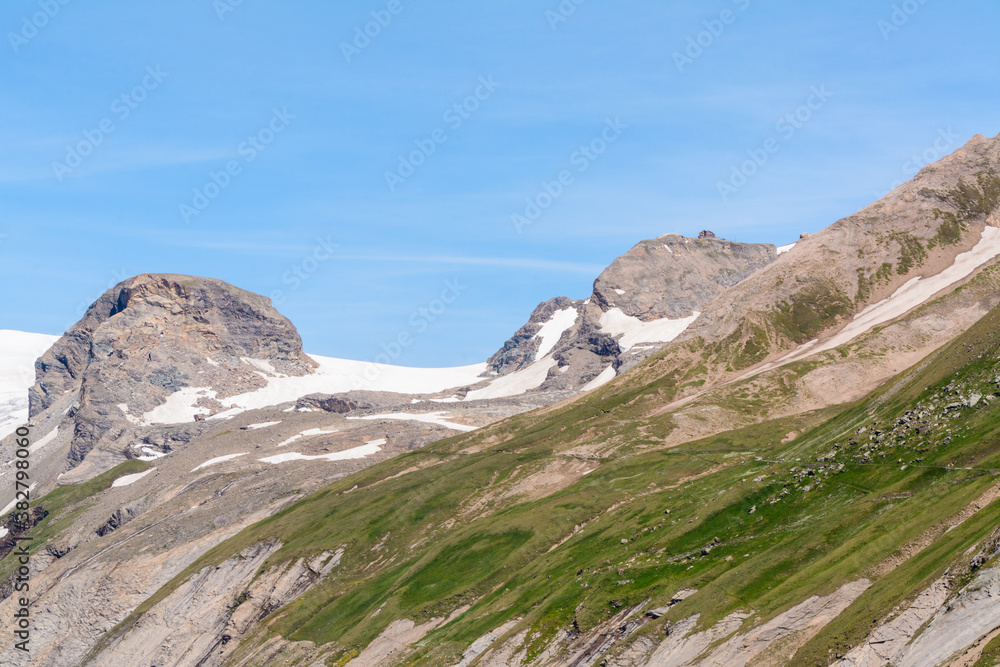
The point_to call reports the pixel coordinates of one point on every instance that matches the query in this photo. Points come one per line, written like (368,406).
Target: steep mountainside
(645,299)
(886,254)
(806,473)
(865,535)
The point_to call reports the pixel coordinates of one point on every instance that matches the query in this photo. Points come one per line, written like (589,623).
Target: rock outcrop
(674,277)
(154,335)
(659,281)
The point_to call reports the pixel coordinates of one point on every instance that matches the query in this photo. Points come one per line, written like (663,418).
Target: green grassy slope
(56,511)
(754,523)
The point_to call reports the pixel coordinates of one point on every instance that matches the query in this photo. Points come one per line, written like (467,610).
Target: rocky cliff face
(152,336)
(675,277)
(639,303)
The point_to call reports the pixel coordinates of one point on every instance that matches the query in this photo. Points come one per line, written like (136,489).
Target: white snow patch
(18,352)
(130,479)
(334,376)
(450,399)
(3,532)
(634,330)
(361,452)
(264,367)
(619,292)
(211,362)
(552,331)
(439,418)
(668,249)
(782,249)
(179,406)
(307,434)
(150,454)
(909,296)
(262,425)
(44,441)
(517,383)
(606,376)
(219,459)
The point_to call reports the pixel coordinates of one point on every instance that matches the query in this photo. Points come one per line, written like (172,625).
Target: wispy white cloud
(498,262)
(274,248)
(152,157)
(113,161)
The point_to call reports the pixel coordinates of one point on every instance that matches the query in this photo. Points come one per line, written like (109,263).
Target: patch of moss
(949,231)
(884,274)
(864,287)
(911,252)
(990,656)
(976,200)
(970,201)
(810,311)
(744,347)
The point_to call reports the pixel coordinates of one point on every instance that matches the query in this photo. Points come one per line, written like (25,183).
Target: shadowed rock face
(151,336)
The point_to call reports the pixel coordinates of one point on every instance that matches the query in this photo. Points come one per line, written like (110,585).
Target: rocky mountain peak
(156,334)
(673,276)
(641,301)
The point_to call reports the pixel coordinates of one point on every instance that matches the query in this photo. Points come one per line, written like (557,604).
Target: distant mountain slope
(821,285)
(645,299)
(789,542)
(162,349)
(766,488)
(18,351)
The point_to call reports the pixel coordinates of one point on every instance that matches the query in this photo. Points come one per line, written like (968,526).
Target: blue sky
(245,141)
